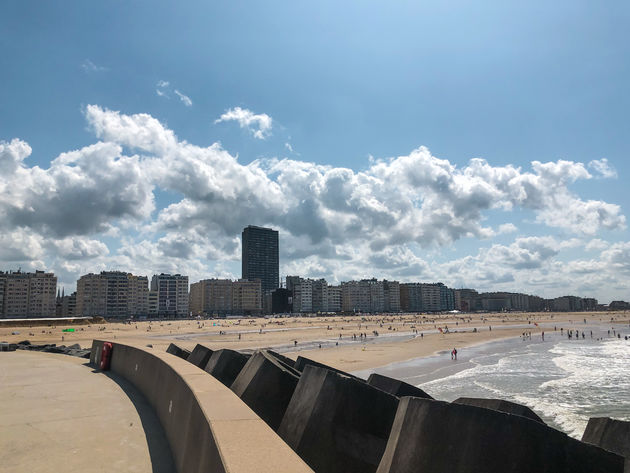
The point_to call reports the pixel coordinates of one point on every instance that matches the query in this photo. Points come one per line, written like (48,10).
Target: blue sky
(325,109)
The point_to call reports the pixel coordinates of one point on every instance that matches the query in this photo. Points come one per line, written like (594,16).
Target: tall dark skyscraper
(260,256)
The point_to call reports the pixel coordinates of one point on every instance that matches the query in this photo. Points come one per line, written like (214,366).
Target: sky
(480,144)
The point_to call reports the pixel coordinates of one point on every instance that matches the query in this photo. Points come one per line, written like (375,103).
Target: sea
(565,381)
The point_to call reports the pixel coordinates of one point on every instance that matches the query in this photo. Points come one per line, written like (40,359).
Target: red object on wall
(106,356)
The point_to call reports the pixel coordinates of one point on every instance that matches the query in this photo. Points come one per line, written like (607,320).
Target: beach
(400,337)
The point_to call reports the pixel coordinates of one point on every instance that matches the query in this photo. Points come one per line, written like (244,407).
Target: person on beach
(454,354)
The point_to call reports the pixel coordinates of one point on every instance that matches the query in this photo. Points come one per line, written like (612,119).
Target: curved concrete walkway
(56,414)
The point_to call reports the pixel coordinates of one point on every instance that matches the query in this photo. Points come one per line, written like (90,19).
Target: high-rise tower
(260,256)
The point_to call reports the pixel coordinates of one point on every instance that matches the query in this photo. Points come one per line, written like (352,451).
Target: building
(303,296)
(370,295)
(280,301)
(427,297)
(334,299)
(410,297)
(92,295)
(3,284)
(391,290)
(153,304)
(66,305)
(138,297)
(466,300)
(112,294)
(28,294)
(211,297)
(172,295)
(221,297)
(247,297)
(260,256)
(320,296)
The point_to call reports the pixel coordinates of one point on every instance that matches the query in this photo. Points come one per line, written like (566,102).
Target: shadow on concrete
(159,448)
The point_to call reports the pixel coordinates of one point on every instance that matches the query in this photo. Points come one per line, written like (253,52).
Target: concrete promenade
(56,414)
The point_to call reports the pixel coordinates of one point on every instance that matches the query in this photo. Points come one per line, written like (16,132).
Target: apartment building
(334,299)
(112,294)
(172,294)
(28,294)
(370,295)
(247,297)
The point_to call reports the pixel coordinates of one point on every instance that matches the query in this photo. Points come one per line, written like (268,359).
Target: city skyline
(491,157)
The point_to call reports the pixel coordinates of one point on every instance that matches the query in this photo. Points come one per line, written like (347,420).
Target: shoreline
(397,341)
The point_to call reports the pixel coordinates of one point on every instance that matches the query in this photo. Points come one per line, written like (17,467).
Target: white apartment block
(172,293)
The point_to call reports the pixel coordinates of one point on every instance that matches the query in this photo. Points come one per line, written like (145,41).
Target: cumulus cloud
(334,222)
(601,167)
(507,228)
(259,125)
(78,248)
(12,154)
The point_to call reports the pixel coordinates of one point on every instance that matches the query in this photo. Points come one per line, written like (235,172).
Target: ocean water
(564,381)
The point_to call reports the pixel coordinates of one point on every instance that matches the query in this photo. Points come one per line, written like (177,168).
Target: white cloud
(604,169)
(507,228)
(88,66)
(334,222)
(258,125)
(164,89)
(185,99)
(596,244)
(12,154)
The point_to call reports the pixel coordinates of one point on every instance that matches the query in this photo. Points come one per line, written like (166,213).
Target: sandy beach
(400,337)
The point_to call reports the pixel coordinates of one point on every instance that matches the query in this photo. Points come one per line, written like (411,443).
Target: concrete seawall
(208,427)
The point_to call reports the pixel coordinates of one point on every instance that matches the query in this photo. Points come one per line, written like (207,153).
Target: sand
(397,339)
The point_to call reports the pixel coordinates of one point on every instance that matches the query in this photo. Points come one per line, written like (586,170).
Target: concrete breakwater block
(440,437)
(396,387)
(500,405)
(200,356)
(284,359)
(337,423)
(177,351)
(301,363)
(266,386)
(609,434)
(225,365)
